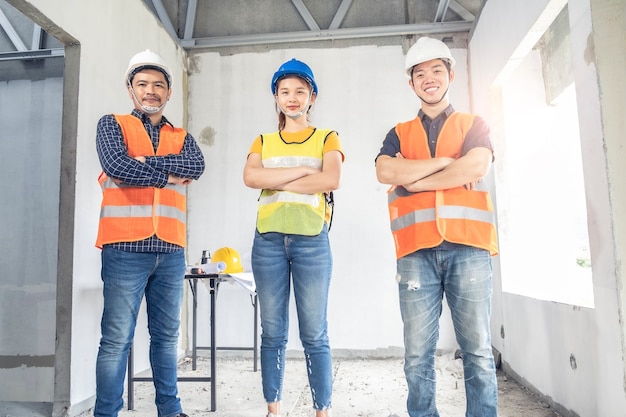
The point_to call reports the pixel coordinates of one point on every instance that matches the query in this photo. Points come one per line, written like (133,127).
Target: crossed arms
(145,171)
(439,173)
(301,179)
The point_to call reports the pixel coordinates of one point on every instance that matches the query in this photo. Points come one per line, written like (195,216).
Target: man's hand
(472,185)
(173,179)
(141,159)
(415,186)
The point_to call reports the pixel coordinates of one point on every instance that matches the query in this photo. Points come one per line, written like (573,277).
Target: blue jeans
(277,261)
(464,275)
(127,277)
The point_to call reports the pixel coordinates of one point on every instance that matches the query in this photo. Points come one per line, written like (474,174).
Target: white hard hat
(150,60)
(426,49)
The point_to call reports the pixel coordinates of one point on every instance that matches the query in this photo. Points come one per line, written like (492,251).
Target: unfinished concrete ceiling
(220,23)
(206,24)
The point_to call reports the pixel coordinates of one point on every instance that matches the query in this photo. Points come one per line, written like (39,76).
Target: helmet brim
(282,74)
(148,66)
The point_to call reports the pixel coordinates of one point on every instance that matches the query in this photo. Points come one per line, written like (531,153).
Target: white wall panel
(363,93)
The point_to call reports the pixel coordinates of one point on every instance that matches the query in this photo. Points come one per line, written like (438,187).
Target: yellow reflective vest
(130,214)
(425,219)
(285,211)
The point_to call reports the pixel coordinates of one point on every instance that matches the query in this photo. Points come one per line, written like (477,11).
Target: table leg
(194,343)
(213,285)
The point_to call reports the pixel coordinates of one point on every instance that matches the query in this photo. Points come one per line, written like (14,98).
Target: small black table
(215,279)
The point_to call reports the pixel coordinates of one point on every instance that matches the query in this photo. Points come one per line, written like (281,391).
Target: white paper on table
(245,279)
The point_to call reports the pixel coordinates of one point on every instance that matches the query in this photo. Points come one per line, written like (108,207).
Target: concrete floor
(362,388)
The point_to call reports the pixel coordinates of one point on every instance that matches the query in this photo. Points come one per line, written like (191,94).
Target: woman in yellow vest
(443,225)
(297,168)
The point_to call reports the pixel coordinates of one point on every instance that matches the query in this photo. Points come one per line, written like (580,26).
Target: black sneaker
(182,415)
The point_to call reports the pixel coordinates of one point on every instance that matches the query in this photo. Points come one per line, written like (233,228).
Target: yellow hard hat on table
(230,257)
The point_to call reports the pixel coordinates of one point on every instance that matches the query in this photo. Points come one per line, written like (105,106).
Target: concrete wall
(363,93)
(30,159)
(100,38)
(574,356)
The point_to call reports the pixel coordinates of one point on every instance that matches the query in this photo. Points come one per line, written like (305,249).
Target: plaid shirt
(116,163)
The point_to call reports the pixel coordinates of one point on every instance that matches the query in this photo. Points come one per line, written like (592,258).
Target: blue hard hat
(294,67)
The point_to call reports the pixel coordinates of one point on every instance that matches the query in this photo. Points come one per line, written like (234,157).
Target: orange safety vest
(425,219)
(130,214)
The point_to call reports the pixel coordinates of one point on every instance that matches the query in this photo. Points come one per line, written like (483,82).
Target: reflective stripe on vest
(284,211)
(289,197)
(292,161)
(146,210)
(424,220)
(130,213)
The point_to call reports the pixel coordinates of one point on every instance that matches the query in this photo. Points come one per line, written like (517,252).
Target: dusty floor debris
(362,388)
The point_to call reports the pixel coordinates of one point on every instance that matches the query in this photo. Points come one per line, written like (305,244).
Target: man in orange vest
(443,225)
(146,165)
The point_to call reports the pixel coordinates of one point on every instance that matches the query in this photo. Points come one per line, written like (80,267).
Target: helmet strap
(146,109)
(296,115)
(438,101)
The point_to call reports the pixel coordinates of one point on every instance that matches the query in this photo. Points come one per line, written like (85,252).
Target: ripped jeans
(278,260)
(464,274)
